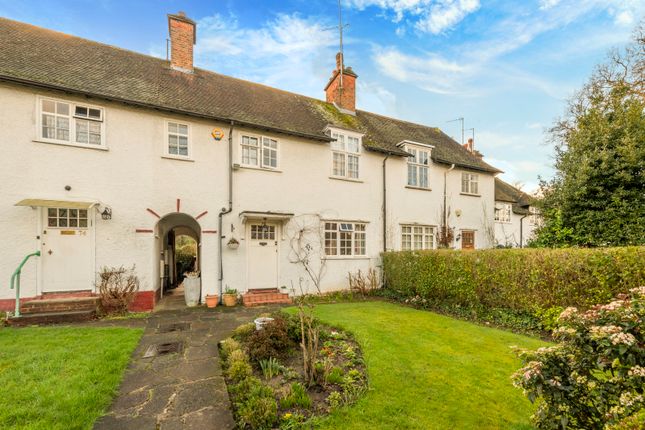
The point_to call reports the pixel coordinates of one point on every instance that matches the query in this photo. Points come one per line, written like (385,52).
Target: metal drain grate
(168,328)
(164,349)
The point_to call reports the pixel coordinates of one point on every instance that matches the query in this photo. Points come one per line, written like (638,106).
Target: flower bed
(289,371)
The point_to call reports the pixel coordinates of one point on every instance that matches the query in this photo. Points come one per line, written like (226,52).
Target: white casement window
(71,123)
(346,151)
(416,237)
(470,183)
(344,239)
(178,139)
(503,212)
(533,216)
(418,167)
(259,152)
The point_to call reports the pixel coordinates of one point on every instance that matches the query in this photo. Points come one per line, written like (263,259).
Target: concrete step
(51,318)
(41,306)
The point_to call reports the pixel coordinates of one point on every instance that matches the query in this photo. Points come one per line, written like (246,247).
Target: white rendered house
(515,217)
(108,155)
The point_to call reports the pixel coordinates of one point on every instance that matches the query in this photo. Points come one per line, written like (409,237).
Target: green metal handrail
(15,280)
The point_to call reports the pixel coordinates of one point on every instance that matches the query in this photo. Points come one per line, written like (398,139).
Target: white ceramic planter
(192,289)
(261,322)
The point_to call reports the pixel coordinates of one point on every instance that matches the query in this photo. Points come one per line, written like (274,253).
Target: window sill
(74,145)
(411,187)
(346,257)
(262,169)
(503,222)
(340,178)
(470,194)
(178,158)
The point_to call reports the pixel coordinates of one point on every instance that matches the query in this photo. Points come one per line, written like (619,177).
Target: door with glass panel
(66,250)
(262,255)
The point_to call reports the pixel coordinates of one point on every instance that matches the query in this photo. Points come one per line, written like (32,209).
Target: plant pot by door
(192,289)
(211,301)
(230,299)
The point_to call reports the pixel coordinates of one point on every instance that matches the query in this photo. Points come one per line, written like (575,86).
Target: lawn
(60,377)
(428,371)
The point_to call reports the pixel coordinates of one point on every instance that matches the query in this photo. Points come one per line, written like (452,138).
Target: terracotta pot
(230,299)
(211,301)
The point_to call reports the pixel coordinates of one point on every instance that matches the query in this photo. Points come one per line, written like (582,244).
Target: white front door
(262,256)
(66,250)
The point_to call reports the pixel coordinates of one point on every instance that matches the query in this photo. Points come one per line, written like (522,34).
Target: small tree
(595,375)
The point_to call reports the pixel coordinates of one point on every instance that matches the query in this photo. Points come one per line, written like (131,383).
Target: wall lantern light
(107,213)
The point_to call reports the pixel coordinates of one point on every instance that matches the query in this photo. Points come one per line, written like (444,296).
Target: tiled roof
(505,192)
(40,57)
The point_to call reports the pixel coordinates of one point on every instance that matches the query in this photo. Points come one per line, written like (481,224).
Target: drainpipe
(385,204)
(521,232)
(445,199)
(224,210)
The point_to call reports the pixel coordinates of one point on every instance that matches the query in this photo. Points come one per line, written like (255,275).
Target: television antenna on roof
(340,27)
(462,127)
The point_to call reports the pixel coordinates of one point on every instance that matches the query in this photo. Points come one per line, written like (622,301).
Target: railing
(15,280)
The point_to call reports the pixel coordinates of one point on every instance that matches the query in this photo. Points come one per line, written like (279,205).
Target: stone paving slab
(179,390)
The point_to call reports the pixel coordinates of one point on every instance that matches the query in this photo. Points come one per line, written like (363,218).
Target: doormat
(164,349)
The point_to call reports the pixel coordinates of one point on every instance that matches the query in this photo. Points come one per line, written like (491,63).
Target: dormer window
(418,163)
(346,152)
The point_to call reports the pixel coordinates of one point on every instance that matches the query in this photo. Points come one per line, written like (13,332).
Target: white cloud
(432,16)
(288,51)
(548,4)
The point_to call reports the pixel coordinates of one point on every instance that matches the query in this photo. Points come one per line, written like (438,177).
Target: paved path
(183,390)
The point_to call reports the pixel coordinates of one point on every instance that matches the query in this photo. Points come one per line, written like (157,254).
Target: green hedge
(504,284)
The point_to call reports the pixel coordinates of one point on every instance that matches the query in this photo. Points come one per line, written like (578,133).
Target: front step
(51,318)
(265,297)
(59,305)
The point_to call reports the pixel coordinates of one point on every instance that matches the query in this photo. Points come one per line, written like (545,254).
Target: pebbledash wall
(138,183)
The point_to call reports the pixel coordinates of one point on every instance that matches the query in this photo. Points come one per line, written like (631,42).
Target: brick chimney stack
(470,145)
(183,35)
(342,95)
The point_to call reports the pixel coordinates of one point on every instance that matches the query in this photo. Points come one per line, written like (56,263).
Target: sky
(506,66)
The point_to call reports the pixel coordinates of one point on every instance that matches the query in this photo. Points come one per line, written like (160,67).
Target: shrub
(297,397)
(238,370)
(258,412)
(227,346)
(513,287)
(335,400)
(117,287)
(595,375)
(243,332)
(271,341)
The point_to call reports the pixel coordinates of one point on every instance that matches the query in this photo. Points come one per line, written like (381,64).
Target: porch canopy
(45,203)
(266,215)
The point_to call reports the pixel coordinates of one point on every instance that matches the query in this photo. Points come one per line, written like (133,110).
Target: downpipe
(224,211)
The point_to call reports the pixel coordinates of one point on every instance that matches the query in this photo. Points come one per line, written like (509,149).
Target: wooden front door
(262,256)
(467,239)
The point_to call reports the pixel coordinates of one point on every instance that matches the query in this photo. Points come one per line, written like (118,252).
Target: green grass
(428,371)
(60,377)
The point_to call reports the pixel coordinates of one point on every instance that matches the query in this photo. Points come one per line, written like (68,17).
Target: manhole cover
(168,328)
(164,349)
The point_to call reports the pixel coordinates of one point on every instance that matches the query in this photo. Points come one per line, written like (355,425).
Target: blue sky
(507,67)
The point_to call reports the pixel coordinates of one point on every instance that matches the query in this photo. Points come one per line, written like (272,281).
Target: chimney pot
(342,95)
(182,38)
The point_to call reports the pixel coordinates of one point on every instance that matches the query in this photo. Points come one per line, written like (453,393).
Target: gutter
(320,138)
(225,211)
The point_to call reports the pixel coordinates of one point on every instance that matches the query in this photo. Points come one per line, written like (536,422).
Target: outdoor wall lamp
(107,213)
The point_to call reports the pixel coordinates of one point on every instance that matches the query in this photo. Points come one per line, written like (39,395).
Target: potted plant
(192,288)
(230,297)
(233,243)
(212,300)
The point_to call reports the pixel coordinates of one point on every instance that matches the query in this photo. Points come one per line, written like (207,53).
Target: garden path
(177,390)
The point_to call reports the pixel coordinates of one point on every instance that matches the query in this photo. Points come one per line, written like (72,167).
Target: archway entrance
(178,250)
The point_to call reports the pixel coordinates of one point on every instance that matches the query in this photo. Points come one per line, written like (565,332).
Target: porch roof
(47,203)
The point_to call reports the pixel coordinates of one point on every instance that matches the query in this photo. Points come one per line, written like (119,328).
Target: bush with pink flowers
(594,377)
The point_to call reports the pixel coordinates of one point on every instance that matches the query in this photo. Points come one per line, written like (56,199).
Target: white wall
(507,234)
(131,176)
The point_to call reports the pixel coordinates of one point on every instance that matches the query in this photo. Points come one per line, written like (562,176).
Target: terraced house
(109,155)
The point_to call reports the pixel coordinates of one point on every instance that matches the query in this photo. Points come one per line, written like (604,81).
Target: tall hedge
(523,281)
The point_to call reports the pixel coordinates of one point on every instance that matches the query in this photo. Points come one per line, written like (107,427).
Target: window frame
(418,165)
(357,231)
(424,234)
(346,154)
(72,123)
(167,153)
(473,178)
(67,217)
(260,148)
(506,209)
